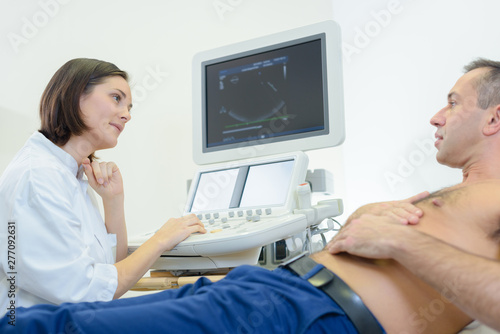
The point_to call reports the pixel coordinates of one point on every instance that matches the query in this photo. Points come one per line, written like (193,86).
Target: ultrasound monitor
(275,94)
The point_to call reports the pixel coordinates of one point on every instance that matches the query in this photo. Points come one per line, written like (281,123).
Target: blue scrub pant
(248,300)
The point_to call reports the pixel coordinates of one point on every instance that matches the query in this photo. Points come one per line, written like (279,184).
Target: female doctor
(63,248)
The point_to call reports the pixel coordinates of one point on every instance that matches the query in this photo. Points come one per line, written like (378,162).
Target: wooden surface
(164,280)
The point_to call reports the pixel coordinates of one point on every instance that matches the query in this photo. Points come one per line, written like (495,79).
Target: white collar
(67,159)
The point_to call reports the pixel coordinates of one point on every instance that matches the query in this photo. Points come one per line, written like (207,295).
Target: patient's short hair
(488,85)
(60,112)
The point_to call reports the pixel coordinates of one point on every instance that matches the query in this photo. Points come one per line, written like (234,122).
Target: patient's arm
(472,282)
(403,210)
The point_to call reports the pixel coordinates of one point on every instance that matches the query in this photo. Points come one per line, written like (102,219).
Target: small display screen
(260,185)
(215,190)
(267,184)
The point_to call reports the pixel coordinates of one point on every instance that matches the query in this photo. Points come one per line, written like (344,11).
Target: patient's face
(459,124)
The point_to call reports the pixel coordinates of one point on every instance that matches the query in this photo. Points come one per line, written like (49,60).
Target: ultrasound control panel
(244,205)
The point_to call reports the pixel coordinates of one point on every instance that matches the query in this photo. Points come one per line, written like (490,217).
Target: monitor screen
(276,94)
(266,96)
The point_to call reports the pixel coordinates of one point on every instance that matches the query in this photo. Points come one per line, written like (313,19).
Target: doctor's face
(459,124)
(106,110)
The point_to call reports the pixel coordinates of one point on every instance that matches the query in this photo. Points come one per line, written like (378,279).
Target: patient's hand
(404,210)
(370,236)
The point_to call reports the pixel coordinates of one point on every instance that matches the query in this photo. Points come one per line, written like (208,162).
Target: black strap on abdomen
(339,291)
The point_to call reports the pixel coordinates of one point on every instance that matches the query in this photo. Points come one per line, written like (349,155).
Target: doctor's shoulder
(35,169)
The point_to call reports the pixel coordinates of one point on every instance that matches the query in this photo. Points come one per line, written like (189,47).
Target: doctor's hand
(403,210)
(370,236)
(176,230)
(104,177)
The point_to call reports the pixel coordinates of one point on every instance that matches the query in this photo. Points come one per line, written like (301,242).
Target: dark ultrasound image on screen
(266,96)
(252,93)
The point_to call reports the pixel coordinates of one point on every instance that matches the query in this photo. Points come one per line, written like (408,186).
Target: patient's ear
(493,124)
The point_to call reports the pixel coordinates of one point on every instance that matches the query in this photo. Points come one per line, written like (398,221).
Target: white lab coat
(63,252)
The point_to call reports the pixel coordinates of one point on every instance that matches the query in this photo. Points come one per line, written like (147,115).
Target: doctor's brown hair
(60,112)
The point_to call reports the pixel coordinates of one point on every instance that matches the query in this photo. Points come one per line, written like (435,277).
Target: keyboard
(232,240)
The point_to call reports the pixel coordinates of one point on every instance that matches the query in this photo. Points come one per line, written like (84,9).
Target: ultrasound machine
(257,106)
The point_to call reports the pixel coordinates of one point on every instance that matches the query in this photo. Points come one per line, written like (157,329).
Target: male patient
(255,300)
(468,138)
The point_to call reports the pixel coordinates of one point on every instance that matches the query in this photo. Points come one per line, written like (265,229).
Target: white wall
(401,58)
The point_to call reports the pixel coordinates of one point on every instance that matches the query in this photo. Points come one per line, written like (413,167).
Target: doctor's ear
(493,124)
